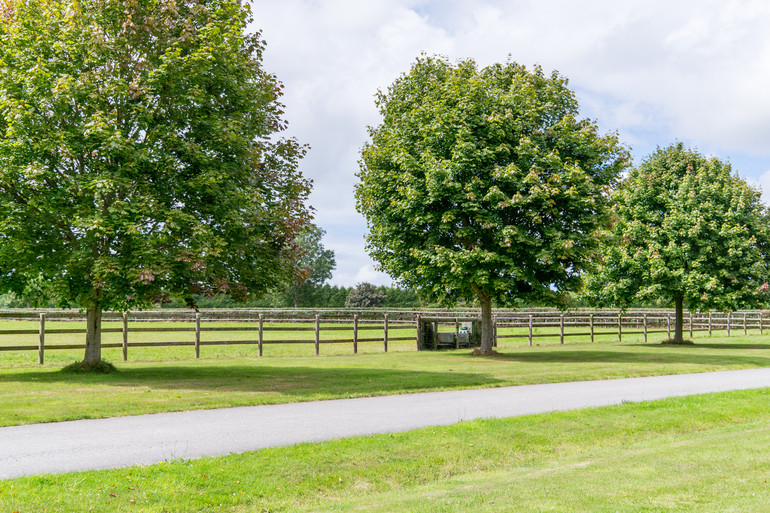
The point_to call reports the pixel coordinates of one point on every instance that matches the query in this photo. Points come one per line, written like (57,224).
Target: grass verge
(700,453)
(30,393)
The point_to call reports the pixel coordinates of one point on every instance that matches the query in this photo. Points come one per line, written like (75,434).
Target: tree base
(672,342)
(99,367)
(479,352)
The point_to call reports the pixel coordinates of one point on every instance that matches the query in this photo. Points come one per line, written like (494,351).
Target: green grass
(31,393)
(701,453)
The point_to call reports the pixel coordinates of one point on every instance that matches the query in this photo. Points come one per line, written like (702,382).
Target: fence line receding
(261,328)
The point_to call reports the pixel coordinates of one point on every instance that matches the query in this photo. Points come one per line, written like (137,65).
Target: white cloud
(368,274)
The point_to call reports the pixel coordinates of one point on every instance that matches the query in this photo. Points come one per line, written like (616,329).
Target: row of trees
(363,295)
(141,161)
(484,184)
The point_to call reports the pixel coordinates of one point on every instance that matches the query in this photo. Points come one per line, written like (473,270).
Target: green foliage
(365,295)
(138,154)
(324,296)
(11,300)
(396,297)
(315,266)
(331,296)
(686,229)
(483,183)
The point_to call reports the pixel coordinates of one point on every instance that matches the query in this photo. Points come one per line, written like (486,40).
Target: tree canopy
(138,155)
(365,295)
(688,230)
(315,265)
(483,183)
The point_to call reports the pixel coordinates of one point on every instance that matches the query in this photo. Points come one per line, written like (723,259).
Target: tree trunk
(93,334)
(679,322)
(487,332)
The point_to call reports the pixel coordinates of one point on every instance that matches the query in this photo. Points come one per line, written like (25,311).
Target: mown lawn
(31,393)
(702,453)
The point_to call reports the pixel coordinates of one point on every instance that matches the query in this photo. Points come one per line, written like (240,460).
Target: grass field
(697,454)
(232,376)
(701,453)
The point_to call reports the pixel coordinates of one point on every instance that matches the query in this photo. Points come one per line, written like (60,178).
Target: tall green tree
(483,183)
(365,295)
(686,230)
(314,267)
(139,156)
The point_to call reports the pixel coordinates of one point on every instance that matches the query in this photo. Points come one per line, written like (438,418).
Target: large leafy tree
(686,230)
(314,266)
(138,155)
(365,295)
(482,183)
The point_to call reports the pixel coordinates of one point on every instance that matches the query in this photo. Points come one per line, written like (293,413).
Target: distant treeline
(324,296)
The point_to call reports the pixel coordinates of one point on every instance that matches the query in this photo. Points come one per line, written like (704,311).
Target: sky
(656,72)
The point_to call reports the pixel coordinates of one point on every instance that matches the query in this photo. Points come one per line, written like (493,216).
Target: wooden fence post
(644,319)
(494,331)
(668,325)
(690,324)
(385,328)
(729,315)
(355,333)
(198,335)
(744,323)
(260,339)
(317,334)
(761,314)
(561,329)
(457,333)
(419,330)
(125,336)
(709,324)
(41,342)
(620,327)
(591,324)
(530,329)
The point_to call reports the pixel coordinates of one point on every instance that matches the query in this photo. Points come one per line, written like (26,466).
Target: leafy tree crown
(138,153)
(484,182)
(684,226)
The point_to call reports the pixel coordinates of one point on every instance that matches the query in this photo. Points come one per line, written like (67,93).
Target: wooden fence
(630,323)
(353,328)
(260,325)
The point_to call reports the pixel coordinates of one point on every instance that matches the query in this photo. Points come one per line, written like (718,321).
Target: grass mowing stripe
(31,393)
(704,472)
(700,453)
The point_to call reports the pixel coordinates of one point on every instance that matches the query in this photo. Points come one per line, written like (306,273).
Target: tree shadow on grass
(295,382)
(680,355)
(702,345)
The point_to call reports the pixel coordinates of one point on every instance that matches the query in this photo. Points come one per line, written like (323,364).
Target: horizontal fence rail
(343,327)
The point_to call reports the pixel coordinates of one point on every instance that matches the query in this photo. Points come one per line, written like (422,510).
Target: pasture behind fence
(262,328)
